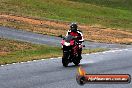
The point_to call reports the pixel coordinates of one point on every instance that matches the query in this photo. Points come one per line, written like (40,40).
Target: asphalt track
(21,35)
(51,74)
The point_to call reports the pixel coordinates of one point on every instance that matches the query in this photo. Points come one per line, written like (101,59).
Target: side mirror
(61,36)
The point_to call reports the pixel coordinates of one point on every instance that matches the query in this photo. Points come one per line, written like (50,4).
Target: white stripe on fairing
(82,61)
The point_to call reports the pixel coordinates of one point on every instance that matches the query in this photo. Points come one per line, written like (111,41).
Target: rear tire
(76,61)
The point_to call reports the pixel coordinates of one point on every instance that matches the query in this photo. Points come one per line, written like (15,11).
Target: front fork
(77,50)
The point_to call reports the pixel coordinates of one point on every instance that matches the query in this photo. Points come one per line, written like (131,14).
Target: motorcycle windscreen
(69,38)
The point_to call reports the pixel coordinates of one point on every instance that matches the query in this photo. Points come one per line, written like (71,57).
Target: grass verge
(57,28)
(15,51)
(108,13)
(108,21)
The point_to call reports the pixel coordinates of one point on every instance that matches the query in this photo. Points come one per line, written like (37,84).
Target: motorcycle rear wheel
(76,62)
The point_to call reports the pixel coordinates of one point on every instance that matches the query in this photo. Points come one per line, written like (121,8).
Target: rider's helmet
(73,27)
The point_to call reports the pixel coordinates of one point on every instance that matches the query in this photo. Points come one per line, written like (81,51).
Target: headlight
(62,47)
(67,44)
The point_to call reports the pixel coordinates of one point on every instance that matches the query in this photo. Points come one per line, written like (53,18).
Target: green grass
(16,51)
(85,51)
(118,4)
(113,14)
(29,55)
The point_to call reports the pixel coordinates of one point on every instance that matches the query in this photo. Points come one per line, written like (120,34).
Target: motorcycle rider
(74,31)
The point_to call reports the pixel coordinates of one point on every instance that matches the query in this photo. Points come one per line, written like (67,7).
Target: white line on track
(93,60)
(105,52)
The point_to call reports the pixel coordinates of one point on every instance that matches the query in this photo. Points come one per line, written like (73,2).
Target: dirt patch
(57,28)
(3,53)
(7,46)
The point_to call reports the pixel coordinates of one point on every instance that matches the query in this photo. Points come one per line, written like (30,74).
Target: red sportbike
(71,50)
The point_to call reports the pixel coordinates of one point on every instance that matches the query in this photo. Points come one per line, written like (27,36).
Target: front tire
(65,60)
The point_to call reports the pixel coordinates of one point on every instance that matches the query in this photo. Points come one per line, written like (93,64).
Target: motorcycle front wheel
(65,59)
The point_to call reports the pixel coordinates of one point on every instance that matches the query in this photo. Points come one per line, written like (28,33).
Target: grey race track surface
(21,35)
(51,74)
